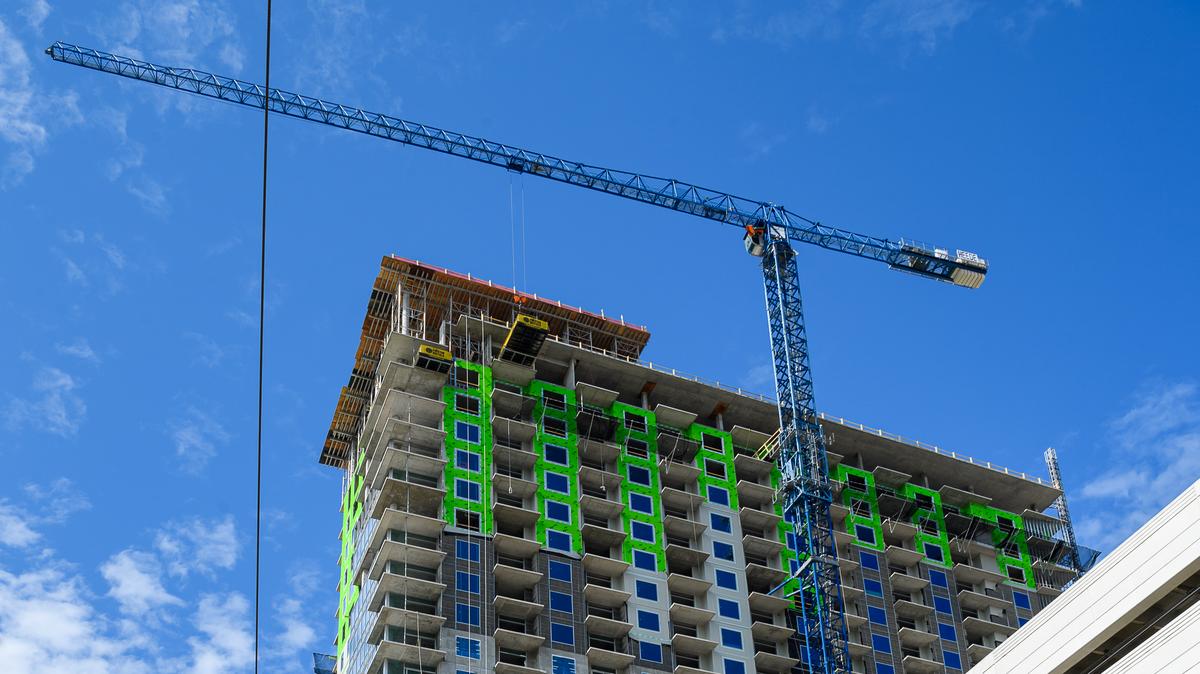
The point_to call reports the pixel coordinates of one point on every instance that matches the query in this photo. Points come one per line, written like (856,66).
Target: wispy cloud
(45,504)
(923,21)
(759,377)
(759,141)
(78,348)
(297,635)
(509,31)
(35,13)
(175,32)
(1156,454)
(53,405)
(225,642)
(135,582)
(819,19)
(207,351)
(198,546)
(87,259)
(817,121)
(196,436)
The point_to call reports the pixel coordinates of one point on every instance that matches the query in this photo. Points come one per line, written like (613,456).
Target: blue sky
(1056,139)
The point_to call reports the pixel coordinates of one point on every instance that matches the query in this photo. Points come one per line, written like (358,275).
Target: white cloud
(1155,456)
(760,141)
(196,437)
(53,407)
(51,503)
(207,352)
(760,377)
(176,32)
(507,31)
(135,581)
(151,194)
(14,528)
(926,21)
(817,122)
(226,643)
(35,13)
(78,348)
(819,19)
(198,546)
(19,125)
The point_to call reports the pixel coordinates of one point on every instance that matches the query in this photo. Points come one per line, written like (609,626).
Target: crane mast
(1060,505)
(770,230)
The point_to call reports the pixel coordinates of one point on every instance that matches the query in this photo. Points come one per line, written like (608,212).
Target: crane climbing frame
(769,230)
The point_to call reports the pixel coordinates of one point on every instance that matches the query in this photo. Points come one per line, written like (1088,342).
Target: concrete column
(404,312)
(645,400)
(720,421)
(569,380)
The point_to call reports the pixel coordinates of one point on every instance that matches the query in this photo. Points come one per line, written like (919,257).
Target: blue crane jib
(769,231)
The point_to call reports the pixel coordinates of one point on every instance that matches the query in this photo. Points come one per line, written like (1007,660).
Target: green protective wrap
(541,438)
(725,456)
(994,515)
(935,514)
(483,478)
(352,509)
(620,411)
(870,496)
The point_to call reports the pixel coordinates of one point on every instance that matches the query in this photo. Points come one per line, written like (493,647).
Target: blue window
(560,601)
(933,552)
(718,495)
(465,460)
(872,587)
(1021,621)
(557,482)
(467,550)
(877,615)
(793,543)
(881,643)
(881,668)
(466,432)
(726,579)
(952,660)
(648,620)
(729,609)
(645,560)
(467,490)
(731,638)
(562,634)
(868,561)
(465,614)
(734,667)
(641,503)
(1021,600)
(942,605)
(558,540)
(466,648)
(721,523)
(937,578)
(467,582)
(559,512)
(723,551)
(555,454)
(650,652)
(864,534)
(641,531)
(562,665)
(560,570)
(947,632)
(646,590)
(638,475)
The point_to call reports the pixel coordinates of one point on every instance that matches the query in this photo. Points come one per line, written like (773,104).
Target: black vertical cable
(262,296)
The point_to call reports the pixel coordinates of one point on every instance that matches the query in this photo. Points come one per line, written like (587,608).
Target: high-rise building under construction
(523,495)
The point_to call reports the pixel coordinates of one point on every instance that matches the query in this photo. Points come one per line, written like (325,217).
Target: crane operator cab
(755,239)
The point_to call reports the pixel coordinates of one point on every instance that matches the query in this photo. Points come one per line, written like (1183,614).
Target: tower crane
(768,232)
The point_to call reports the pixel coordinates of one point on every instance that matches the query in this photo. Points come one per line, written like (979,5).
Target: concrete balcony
(906,583)
(749,438)
(961,497)
(752,468)
(754,494)
(412,621)
(593,423)
(917,665)
(767,603)
(772,662)
(684,669)
(607,567)
(606,627)
(400,520)
(511,580)
(850,591)
(838,512)
(978,576)
(598,450)
(755,518)
(690,615)
(693,646)
(404,552)
(763,547)
(413,408)
(915,638)
(596,396)
(685,556)
(911,609)
(683,527)
(770,631)
(603,536)
(512,486)
(406,653)
(517,608)
(410,586)
(402,431)
(683,500)
(857,648)
(763,578)
(513,430)
(898,533)
(679,583)
(400,372)
(903,556)
(519,459)
(981,600)
(601,655)
(515,546)
(979,628)
(515,373)
(597,506)
(848,560)
(513,668)
(678,475)
(510,404)
(517,641)
(404,457)
(400,491)
(978,652)
(514,517)
(853,620)
(606,597)
(600,479)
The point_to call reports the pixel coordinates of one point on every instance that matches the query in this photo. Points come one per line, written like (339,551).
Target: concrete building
(523,495)
(1136,611)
